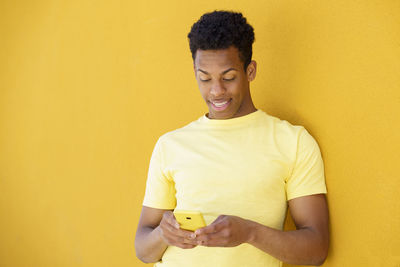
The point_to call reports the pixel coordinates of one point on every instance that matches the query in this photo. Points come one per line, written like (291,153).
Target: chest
(228,169)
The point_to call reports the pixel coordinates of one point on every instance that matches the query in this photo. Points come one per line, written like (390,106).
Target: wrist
(250,229)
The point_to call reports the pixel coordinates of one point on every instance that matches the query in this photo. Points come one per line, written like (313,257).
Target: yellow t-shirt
(248,166)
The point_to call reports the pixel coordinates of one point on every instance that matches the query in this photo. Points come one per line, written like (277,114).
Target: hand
(225,231)
(171,233)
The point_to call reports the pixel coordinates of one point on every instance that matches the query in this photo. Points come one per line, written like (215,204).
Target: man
(237,165)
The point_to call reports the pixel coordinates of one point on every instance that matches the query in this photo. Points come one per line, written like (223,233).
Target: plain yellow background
(87,87)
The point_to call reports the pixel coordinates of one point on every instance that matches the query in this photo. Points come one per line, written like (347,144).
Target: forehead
(220,58)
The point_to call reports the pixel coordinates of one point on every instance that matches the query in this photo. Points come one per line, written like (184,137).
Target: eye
(231,79)
(205,80)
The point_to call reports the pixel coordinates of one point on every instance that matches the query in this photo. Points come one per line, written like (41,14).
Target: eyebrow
(225,71)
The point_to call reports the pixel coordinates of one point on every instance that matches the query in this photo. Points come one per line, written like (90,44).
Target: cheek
(203,91)
(236,90)
(236,85)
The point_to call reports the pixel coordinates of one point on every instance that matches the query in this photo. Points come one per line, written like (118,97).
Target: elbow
(320,261)
(144,258)
(316,260)
(140,255)
(322,255)
(322,251)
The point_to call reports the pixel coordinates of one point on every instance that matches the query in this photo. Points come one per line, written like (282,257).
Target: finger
(185,246)
(212,236)
(175,235)
(181,241)
(184,233)
(212,240)
(179,231)
(214,227)
(168,231)
(170,219)
(213,243)
(186,241)
(179,236)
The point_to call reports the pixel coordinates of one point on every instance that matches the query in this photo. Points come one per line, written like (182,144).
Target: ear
(251,70)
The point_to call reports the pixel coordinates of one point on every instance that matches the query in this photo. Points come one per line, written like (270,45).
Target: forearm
(303,246)
(149,245)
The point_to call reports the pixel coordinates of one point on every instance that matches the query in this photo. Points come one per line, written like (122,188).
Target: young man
(237,165)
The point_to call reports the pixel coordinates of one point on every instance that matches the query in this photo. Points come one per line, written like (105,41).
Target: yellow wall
(87,87)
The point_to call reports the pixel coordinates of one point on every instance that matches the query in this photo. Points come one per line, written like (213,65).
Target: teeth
(220,104)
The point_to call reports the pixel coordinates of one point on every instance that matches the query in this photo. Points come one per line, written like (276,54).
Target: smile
(219,106)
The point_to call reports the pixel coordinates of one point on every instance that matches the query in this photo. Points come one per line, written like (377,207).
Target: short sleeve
(160,189)
(307,177)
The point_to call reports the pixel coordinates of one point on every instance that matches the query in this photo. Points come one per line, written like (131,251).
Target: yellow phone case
(189,220)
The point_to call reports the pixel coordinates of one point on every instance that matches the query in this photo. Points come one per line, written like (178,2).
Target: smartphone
(189,220)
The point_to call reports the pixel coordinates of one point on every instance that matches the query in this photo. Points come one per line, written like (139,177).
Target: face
(223,83)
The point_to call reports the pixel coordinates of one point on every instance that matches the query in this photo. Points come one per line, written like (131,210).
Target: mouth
(220,105)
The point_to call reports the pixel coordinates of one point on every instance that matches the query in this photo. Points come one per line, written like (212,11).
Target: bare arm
(158,229)
(308,245)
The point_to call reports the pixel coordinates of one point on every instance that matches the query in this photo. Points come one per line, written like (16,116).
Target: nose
(217,89)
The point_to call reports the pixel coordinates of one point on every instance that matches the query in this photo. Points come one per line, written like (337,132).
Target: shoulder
(290,138)
(283,129)
(179,133)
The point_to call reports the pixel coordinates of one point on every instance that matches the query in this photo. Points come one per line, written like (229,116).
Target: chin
(221,115)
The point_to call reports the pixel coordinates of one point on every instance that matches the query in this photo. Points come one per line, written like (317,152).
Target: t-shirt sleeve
(307,177)
(160,188)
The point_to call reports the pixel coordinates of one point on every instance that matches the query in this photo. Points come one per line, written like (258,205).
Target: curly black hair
(220,30)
